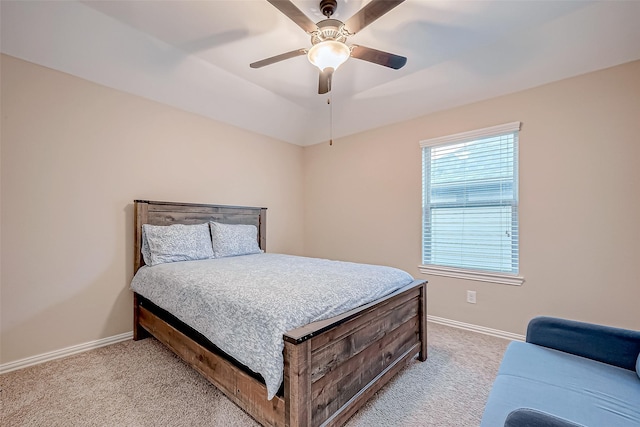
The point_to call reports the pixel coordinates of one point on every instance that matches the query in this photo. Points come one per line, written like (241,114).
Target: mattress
(245,304)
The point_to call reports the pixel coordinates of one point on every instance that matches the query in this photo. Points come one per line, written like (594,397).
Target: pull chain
(330,119)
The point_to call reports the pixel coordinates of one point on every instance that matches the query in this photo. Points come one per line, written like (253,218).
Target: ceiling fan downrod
(328,7)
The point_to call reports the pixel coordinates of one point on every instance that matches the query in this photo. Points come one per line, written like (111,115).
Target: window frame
(459,272)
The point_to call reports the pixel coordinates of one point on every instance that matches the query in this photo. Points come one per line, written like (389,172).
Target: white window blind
(470,200)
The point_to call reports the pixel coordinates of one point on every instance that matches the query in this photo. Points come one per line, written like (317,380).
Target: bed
(331,367)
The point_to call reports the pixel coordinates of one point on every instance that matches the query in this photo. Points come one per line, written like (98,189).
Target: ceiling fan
(328,38)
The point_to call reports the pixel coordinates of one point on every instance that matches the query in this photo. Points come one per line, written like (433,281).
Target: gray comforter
(245,304)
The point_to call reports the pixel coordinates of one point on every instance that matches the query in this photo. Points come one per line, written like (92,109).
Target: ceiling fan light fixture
(328,54)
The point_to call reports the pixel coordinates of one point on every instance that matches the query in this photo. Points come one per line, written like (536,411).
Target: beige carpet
(142,384)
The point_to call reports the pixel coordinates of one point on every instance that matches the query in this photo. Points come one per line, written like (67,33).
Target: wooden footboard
(333,367)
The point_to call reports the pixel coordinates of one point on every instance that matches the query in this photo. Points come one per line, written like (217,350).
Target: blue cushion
(638,365)
(615,346)
(571,387)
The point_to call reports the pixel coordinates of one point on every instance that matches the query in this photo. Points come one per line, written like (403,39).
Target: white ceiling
(195,55)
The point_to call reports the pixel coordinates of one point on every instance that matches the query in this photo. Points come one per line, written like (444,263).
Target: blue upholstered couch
(568,374)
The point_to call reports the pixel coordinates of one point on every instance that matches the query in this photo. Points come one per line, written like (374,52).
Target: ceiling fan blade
(378,57)
(324,85)
(295,14)
(278,58)
(372,11)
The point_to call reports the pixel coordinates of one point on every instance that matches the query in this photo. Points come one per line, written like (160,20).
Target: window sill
(482,276)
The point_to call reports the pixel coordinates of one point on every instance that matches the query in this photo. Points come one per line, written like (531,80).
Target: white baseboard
(475,328)
(57,354)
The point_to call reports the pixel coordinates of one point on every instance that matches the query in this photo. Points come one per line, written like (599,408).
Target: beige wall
(74,156)
(579,201)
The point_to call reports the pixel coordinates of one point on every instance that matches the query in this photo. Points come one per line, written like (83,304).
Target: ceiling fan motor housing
(329,29)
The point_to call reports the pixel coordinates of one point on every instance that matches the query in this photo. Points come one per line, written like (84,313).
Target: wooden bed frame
(331,367)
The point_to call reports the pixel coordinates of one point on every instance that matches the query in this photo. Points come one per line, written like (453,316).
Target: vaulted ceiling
(195,55)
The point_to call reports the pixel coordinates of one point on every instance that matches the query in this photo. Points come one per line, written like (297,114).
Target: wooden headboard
(167,213)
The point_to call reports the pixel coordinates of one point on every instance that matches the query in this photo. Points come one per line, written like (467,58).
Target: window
(470,205)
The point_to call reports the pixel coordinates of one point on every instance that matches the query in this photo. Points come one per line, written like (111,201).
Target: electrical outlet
(471,297)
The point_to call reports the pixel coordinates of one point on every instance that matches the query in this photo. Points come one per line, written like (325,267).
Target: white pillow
(234,239)
(177,242)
